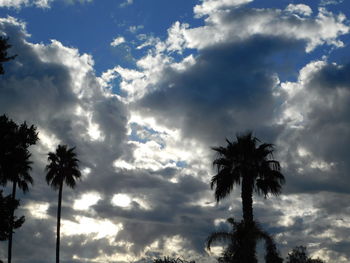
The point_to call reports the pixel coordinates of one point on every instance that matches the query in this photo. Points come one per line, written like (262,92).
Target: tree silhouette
(4,46)
(244,162)
(239,243)
(171,260)
(63,167)
(7,205)
(14,161)
(299,255)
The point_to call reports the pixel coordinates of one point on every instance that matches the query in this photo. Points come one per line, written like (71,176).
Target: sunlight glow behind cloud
(38,210)
(86,200)
(100,228)
(122,200)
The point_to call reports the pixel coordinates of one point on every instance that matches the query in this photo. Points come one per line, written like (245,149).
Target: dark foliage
(244,162)
(299,255)
(4,46)
(14,154)
(239,243)
(7,205)
(14,161)
(171,260)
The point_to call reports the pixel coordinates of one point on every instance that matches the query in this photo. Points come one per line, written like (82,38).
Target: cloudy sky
(143,89)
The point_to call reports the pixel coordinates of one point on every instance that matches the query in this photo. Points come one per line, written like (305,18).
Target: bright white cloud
(99,228)
(122,200)
(86,200)
(125,201)
(117,41)
(233,26)
(48,140)
(13,3)
(38,209)
(299,9)
(43,3)
(210,6)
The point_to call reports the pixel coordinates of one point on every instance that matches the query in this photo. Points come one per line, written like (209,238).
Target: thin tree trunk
(249,246)
(9,252)
(58,223)
(247,200)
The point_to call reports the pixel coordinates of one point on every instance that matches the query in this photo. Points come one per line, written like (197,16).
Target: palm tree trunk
(247,199)
(9,252)
(58,223)
(249,246)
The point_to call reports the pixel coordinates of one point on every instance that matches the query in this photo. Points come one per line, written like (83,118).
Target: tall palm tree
(63,167)
(244,162)
(250,165)
(14,161)
(239,238)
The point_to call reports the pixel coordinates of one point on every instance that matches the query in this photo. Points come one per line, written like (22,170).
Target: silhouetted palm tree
(14,161)
(63,167)
(244,162)
(240,240)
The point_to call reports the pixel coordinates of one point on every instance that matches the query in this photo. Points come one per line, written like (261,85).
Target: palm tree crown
(244,162)
(63,167)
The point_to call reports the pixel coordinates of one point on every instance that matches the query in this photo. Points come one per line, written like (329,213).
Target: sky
(144,89)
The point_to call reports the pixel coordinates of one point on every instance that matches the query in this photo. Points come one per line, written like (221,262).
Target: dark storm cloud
(228,89)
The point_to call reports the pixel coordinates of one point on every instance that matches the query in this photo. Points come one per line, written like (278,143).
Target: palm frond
(63,166)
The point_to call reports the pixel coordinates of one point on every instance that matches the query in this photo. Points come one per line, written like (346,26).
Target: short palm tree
(63,167)
(239,239)
(244,162)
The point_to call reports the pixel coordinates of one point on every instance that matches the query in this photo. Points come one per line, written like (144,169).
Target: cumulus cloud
(317,106)
(299,9)
(236,24)
(208,7)
(117,41)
